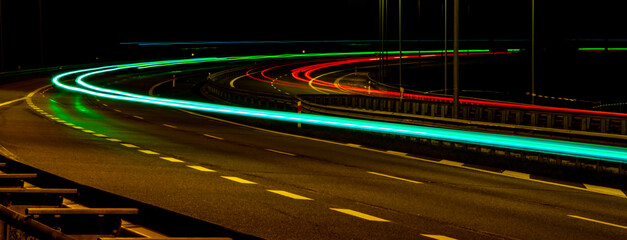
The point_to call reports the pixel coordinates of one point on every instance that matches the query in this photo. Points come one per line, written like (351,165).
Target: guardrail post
(585,123)
(444,110)
(623,126)
(534,119)
(550,120)
(434,109)
(519,117)
(465,112)
(423,109)
(605,124)
(490,115)
(504,116)
(568,121)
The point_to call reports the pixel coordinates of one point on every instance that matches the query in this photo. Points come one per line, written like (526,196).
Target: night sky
(83,29)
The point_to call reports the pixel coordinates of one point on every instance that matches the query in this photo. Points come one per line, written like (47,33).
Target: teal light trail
(575,149)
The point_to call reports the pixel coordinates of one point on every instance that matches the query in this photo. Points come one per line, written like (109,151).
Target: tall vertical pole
(445,47)
(400,52)
(1,41)
(455,58)
(41,35)
(533,52)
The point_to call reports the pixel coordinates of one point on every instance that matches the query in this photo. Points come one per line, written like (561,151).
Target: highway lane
(449,201)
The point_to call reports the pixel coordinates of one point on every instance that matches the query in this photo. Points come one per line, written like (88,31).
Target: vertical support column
(455,58)
(519,117)
(550,120)
(568,120)
(585,123)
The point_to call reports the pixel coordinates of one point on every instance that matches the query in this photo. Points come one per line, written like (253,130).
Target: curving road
(279,186)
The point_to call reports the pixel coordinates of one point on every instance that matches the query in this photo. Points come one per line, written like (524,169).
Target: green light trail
(574,149)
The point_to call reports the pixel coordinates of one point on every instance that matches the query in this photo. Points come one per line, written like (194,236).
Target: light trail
(574,149)
(307,72)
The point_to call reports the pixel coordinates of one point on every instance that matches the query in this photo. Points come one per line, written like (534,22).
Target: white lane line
(129,145)
(438,237)
(171,159)
(170,126)
(289,195)
(148,152)
(239,180)
(605,190)
(12,101)
(359,215)
(393,177)
(214,137)
(138,117)
(200,168)
(280,152)
(597,221)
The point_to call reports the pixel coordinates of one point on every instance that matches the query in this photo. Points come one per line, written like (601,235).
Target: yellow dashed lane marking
(280,152)
(239,180)
(148,152)
(129,145)
(393,177)
(289,195)
(214,137)
(359,215)
(597,221)
(200,168)
(438,237)
(171,159)
(114,140)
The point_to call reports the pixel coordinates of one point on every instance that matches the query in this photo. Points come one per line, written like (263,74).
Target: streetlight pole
(41,35)
(445,47)
(1,41)
(533,52)
(400,53)
(455,58)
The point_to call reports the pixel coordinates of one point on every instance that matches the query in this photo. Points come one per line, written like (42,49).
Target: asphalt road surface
(278,186)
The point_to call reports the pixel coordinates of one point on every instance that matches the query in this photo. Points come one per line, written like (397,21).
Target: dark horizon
(75,31)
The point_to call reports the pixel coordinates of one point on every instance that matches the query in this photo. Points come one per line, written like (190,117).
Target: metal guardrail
(575,123)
